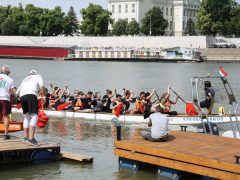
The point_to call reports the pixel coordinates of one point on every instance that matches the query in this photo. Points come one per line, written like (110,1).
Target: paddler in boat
(209,94)
(166,103)
(117,106)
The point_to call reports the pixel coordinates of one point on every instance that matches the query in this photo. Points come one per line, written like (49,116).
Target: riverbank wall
(118,41)
(221,54)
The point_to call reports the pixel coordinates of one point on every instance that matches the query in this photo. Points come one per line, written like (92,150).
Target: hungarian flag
(222,72)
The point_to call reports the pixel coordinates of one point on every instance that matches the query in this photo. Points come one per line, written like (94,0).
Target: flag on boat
(222,72)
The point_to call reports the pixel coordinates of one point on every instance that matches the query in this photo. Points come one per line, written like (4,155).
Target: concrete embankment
(221,54)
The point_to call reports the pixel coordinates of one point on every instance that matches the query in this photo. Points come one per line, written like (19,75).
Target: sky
(50,4)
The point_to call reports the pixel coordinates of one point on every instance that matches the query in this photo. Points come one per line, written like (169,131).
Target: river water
(95,138)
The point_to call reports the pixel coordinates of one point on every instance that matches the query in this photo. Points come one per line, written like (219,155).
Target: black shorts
(205,104)
(29,104)
(5,107)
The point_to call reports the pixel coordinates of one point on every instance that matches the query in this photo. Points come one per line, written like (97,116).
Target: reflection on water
(95,138)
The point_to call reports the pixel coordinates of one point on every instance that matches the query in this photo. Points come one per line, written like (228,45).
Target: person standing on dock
(6,89)
(28,92)
(159,126)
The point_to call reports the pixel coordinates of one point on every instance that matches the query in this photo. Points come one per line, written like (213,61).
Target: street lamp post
(150,32)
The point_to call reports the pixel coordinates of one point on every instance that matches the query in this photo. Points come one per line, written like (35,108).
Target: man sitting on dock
(159,126)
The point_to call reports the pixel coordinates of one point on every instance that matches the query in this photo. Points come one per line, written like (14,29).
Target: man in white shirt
(159,126)
(6,89)
(28,92)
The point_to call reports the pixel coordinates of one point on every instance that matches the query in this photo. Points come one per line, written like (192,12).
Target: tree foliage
(214,16)
(35,21)
(154,19)
(71,23)
(190,28)
(120,27)
(133,28)
(95,20)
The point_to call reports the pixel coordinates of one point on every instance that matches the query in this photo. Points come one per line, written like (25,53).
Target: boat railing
(232,101)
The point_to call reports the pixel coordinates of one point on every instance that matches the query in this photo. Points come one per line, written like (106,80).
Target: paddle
(178,95)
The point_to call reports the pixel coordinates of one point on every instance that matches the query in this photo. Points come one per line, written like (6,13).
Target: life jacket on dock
(118,110)
(139,106)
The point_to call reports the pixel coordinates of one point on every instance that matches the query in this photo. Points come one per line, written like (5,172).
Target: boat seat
(211,107)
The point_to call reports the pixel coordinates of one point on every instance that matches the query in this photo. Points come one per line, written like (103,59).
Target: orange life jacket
(166,107)
(78,103)
(139,106)
(118,110)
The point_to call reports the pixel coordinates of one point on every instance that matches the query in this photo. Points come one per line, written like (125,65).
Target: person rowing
(166,103)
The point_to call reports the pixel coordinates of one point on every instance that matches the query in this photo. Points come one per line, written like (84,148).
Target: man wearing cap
(159,126)
(6,89)
(28,92)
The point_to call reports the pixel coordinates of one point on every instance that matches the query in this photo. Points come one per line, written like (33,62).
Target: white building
(176,12)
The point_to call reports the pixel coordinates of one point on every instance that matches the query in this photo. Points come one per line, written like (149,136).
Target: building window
(113,9)
(93,54)
(126,8)
(171,28)
(87,54)
(100,54)
(184,12)
(80,54)
(166,11)
(118,55)
(106,54)
(119,8)
(125,54)
(171,12)
(112,54)
(133,8)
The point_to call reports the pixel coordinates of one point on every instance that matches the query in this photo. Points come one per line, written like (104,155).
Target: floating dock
(201,154)
(14,151)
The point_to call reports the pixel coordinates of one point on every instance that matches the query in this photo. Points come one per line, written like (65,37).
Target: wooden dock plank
(76,157)
(194,148)
(17,144)
(183,166)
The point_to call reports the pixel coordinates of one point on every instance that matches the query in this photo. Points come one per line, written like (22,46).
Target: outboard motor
(213,126)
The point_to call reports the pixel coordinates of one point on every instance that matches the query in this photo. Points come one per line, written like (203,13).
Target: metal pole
(150,32)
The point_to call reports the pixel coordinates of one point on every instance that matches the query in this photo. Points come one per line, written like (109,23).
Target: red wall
(34,52)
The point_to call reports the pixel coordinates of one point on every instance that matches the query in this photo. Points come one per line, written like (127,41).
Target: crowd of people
(111,101)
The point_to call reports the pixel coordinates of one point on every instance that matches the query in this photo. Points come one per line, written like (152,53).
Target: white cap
(5,69)
(33,72)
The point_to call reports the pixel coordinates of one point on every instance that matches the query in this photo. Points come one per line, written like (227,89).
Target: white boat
(173,120)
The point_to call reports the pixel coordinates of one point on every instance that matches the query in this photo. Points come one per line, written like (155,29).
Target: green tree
(120,27)
(55,22)
(95,20)
(9,27)
(4,12)
(71,23)
(190,28)
(154,19)
(213,16)
(133,28)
